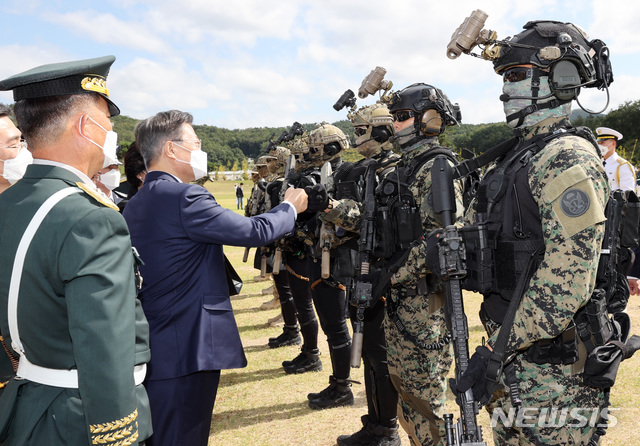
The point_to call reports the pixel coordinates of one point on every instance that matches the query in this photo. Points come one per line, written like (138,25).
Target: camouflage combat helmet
(280,154)
(277,159)
(325,144)
(374,126)
(261,166)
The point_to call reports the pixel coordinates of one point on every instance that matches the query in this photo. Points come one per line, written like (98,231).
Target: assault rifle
(361,293)
(257,197)
(326,229)
(289,172)
(295,130)
(452,268)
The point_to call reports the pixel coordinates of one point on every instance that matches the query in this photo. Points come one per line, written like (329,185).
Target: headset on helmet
(325,143)
(433,109)
(377,123)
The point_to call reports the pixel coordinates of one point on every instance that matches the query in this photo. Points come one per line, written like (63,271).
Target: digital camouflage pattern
(565,279)
(554,391)
(415,267)
(418,373)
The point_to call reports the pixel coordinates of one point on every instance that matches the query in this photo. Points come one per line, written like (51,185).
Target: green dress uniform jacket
(77,309)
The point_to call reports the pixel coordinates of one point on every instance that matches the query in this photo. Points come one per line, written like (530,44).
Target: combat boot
(269,290)
(306,361)
(276,320)
(337,394)
(290,336)
(270,304)
(372,434)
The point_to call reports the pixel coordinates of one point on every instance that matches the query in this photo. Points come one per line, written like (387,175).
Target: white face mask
(110,147)
(15,168)
(198,162)
(110,179)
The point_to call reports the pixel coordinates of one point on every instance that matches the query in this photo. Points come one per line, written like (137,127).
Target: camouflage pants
(419,373)
(557,407)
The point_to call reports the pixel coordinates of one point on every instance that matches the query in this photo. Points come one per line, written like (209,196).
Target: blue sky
(256,63)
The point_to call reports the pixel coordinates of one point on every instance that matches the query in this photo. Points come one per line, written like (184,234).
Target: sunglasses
(517,74)
(403,115)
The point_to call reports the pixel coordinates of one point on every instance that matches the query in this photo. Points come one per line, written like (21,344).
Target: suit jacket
(179,230)
(77,309)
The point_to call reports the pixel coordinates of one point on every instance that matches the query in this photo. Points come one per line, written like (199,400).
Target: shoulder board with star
(99,198)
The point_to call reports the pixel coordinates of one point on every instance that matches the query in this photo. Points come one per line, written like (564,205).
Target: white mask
(198,162)
(15,168)
(110,179)
(110,147)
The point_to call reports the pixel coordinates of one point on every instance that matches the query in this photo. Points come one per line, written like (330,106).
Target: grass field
(260,405)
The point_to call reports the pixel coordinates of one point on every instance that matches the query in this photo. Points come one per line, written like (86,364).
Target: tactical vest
(399,222)
(511,221)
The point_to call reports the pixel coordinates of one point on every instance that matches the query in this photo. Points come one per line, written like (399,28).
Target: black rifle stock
(452,257)
(289,171)
(257,196)
(362,292)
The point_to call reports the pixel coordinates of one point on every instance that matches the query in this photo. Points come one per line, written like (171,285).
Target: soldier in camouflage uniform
(373,127)
(324,144)
(287,285)
(546,226)
(418,347)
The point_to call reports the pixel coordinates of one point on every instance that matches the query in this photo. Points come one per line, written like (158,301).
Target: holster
(603,362)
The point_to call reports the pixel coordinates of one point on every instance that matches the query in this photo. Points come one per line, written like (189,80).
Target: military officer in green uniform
(68,303)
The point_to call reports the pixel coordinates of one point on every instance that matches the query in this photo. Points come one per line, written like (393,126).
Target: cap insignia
(97,84)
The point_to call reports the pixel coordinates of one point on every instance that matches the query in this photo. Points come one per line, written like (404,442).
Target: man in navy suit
(179,229)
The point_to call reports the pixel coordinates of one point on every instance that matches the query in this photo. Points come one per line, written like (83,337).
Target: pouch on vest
(479,258)
(603,362)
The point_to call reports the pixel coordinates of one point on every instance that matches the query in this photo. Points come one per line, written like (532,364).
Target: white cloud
(257,63)
(106,28)
(144,87)
(19,58)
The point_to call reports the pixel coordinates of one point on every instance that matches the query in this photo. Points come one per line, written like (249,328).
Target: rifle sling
(465,168)
(497,359)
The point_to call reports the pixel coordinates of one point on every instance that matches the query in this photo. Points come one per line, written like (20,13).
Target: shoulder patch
(99,198)
(575,202)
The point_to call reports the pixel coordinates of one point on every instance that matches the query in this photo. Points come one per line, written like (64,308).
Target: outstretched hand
(297,197)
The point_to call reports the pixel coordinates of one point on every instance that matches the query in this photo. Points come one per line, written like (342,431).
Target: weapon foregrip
(277,261)
(356,346)
(246,255)
(326,263)
(263,265)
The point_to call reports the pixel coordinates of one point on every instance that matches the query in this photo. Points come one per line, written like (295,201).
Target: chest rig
(399,222)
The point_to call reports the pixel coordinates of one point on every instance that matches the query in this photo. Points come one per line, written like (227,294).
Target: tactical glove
(474,377)
(318,198)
